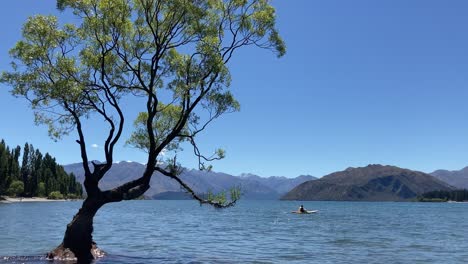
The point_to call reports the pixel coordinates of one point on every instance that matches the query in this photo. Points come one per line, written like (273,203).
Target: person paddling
(301,209)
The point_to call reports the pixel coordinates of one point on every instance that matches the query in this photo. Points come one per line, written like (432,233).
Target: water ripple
(252,232)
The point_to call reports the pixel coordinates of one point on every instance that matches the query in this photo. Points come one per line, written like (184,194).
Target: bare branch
(193,194)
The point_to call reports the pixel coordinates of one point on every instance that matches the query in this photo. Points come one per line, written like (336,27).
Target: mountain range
(371,183)
(162,187)
(456,178)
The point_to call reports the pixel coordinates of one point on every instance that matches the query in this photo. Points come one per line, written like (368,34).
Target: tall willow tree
(172,54)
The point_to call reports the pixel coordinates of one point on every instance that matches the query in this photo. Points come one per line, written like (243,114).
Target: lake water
(251,232)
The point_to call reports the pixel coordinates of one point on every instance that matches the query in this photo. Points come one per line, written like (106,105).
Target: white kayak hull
(306,212)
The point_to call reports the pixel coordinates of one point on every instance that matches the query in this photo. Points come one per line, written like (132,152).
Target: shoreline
(6,199)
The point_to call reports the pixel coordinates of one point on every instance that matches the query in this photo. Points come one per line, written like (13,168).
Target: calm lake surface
(251,232)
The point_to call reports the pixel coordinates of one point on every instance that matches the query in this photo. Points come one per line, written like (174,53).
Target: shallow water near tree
(251,232)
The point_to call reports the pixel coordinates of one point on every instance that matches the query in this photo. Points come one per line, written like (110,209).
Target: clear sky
(362,82)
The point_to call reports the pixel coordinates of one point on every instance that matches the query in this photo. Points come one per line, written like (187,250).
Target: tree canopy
(455,195)
(173,54)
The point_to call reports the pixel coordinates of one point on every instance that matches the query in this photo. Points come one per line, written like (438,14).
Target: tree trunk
(78,241)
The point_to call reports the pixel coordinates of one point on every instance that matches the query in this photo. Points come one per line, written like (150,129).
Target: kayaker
(301,209)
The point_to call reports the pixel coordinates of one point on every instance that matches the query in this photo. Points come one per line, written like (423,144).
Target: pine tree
(36,163)
(4,178)
(25,166)
(13,164)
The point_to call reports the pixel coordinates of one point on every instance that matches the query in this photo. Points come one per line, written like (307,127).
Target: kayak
(306,212)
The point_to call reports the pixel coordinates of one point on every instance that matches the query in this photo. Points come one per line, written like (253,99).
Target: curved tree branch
(195,196)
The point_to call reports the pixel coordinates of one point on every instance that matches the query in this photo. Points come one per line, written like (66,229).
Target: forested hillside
(37,175)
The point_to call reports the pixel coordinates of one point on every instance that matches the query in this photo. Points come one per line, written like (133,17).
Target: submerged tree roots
(65,254)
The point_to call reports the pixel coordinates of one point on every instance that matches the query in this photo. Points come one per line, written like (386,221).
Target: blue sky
(362,82)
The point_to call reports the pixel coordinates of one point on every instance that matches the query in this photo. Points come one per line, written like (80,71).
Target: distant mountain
(371,183)
(458,179)
(162,187)
(280,184)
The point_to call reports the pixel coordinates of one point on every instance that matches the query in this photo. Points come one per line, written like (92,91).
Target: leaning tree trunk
(78,241)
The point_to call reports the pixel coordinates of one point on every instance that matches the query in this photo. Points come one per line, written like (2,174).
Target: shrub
(73,196)
(55,195)
(16,188)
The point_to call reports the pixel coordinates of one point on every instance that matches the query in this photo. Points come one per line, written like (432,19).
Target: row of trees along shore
(443,196)
(39,175)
